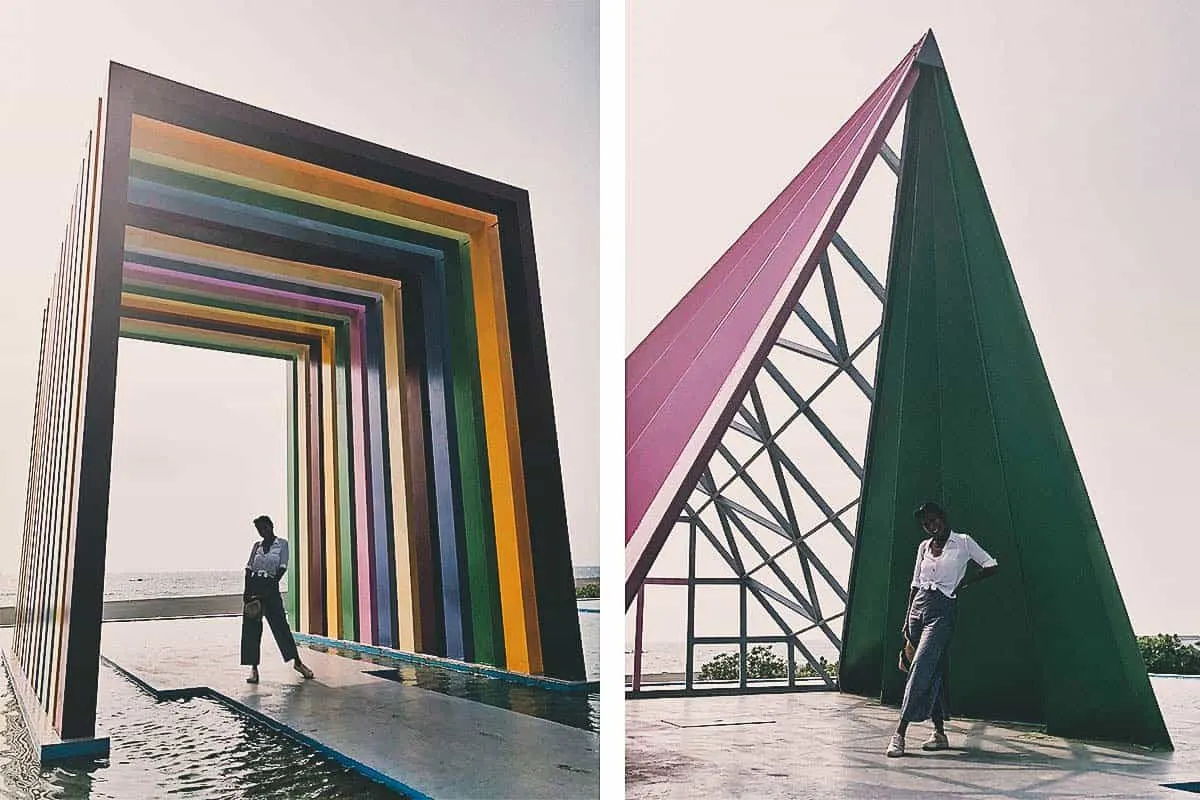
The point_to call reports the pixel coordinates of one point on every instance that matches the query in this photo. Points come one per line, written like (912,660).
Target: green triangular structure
(930,54)
(964,414)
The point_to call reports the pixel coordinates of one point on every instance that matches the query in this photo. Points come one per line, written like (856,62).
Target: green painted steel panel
(487,627)
(964,414)
(343,422)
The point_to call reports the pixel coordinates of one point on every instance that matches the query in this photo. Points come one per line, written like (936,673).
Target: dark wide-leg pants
(930,626)
(276,617)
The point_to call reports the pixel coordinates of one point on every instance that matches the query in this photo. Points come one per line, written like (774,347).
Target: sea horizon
(154,584)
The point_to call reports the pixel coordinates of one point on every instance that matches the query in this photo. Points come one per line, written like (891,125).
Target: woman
(938,576)
(268,561)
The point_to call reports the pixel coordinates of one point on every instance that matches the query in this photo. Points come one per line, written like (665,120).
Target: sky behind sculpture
(424,81)
(1089,165)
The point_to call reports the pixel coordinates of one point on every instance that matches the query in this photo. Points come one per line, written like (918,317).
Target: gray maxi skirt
(930,625)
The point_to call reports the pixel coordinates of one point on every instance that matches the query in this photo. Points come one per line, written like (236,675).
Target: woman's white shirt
(945,571)
(269,561)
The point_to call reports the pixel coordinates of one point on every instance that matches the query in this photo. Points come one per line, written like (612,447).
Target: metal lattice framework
(754,526)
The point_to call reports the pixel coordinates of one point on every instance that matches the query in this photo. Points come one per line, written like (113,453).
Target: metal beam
(890,158)
(814,418)
(835,311)
(858,266)
(791,419)
(813,661)
(788,508)
(805,350)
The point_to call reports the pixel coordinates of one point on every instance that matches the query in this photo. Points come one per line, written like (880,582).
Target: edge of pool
(49,747)
(208,693)
(537,681)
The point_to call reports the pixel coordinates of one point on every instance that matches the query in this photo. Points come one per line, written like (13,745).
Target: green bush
(761,662)
(723,667)
(589,591)
(1165,653)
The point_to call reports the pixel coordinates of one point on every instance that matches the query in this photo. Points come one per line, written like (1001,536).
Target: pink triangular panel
(683,381)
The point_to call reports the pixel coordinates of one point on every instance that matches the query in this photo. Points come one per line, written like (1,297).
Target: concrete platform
(421,742)
(826,745)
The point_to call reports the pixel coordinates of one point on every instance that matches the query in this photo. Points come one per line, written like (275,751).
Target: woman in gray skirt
(938,575)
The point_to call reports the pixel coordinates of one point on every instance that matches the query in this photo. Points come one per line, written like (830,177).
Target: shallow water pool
(193,748)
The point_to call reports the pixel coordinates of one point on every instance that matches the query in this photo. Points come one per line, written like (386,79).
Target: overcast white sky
(1084,123)
(505,89)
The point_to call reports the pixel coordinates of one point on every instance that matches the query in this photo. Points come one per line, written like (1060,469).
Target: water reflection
(579,710)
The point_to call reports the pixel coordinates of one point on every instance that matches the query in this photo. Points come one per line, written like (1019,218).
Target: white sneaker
(936,741)
(896,748)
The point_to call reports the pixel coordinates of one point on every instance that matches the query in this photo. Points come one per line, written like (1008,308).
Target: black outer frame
(84,613)
(132,92)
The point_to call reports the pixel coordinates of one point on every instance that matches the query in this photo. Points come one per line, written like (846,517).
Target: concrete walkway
(427,743)
(825,745)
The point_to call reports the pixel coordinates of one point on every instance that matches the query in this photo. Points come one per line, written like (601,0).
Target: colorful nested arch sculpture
(425,492)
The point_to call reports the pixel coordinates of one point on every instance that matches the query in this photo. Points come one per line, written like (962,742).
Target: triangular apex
(684,382)
(929,55)
(964,414)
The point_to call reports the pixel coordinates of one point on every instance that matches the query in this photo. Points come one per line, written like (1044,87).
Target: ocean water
(199,583)
(147,585)
(587,572)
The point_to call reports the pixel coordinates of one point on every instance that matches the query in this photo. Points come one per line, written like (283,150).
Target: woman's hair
(264,523)
(929,507)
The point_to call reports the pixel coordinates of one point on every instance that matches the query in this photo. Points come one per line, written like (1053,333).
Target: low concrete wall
(222,605)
